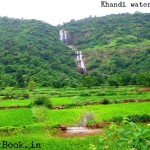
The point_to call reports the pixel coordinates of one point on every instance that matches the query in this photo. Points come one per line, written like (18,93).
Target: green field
(21,124)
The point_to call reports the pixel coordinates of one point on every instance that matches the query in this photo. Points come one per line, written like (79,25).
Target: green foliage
(25,95)
(139,118)
(85,94)
(31,85)
(128,136)
(144,79)
(89,81)
(114,80)
(133,118)
(113,31)
(43,101)
(126,78)
(32,49)
(105,101)
(114,44)
(39,113)
(19,79)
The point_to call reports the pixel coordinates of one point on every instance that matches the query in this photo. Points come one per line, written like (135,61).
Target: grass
(16,124)
(70,95)
(14,102)
(61,100)
(72,116)
(41,132)
(15,117)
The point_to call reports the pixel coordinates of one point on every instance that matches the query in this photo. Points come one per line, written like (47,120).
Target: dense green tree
(19,79)
(115,80)
(31,85)
(89,81)
(143,79)
(126,78)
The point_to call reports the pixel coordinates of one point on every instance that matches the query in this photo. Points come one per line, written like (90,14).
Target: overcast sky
(59,11)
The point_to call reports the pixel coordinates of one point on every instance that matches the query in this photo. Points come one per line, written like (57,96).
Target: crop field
(36,126)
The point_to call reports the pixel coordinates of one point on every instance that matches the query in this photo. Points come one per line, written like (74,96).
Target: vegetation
(128,136)
(38,71)
(37,123)
(30,50)
(133,118)
(116,48)
(43,101)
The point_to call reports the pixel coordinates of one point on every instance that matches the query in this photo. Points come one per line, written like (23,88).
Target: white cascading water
(80,61)
(82,66)
(63,37)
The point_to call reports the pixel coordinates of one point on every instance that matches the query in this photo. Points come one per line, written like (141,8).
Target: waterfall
(63,36)
(81,62)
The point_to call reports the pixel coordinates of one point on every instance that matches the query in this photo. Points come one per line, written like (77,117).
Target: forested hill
(116,49)
(31,50)
(110,32)
(114,46)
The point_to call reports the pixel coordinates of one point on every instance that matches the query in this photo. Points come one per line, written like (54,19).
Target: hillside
(113,45)
(115,48)
(31,50)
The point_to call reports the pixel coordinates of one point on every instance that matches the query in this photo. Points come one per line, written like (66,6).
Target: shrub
(101,94)
(43,101)
(31,85)
(125,137)
(69,106)
(85,94)
(133,118)
(39,113)
(139,118)
(117,119)
(25,95)
(116,101)
(105,101)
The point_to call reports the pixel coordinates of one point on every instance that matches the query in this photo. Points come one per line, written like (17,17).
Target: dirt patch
(136,101)
(147,89)
(12,107)
(98,125)
(78,132)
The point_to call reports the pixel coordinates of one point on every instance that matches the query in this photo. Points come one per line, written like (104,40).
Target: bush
(25,95)
(139,118)
(101,94)
(43,101)
(39,113)
(125,137)
(116,101)
(133,118)
(85,94)
(117,119)
(105,101)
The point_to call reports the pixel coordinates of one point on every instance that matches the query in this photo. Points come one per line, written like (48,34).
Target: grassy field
(14,97)
(22,124)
